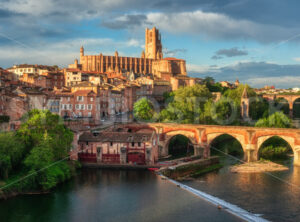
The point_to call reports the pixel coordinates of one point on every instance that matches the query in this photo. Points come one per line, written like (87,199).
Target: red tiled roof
(172,58)
(72,70)
(115,137)
(83,92)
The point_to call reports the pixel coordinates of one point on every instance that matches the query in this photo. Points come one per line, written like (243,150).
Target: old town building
(46,80)
(19,70)
(118,147)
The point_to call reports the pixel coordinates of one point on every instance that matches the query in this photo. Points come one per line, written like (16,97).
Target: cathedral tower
(153,46)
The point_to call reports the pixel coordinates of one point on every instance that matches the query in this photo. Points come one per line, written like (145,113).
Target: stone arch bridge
(289,98)
(250,138)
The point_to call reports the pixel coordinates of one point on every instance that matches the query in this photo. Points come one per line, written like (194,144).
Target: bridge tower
(245,105)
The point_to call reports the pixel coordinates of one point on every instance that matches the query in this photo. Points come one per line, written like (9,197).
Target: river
(268,194)
(113,195)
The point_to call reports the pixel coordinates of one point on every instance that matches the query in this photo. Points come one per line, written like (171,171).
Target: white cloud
(284,81)
(214,25)
(297,59)
(202,69)
(257,74)
(64,52)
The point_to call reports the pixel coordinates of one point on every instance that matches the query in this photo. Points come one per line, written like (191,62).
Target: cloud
(126,22)
(205,25)
(173,52)
(284,82)
(209,19)
(216,57)
(297,59)
(229,53)
(257,74)
(218,26)
(63,52)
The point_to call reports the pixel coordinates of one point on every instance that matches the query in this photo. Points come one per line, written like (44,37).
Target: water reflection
(256,192)
(113,195)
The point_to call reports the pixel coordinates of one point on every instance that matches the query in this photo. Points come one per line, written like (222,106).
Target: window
(82,107)
(132,144)
(139,144)
(77,107)
(68,99)
(111,143)
(70,106)
(89,106)
(79,98)
(92,99)
(89,114)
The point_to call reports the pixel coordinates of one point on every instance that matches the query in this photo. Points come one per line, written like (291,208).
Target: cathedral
(151,62)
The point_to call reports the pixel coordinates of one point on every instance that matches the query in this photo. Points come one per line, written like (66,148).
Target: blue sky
(256,41)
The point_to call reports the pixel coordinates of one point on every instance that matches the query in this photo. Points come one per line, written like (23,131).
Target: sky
(255,41)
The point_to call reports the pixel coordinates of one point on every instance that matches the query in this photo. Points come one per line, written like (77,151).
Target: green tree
(208,80)
(143,109)
(277,120)
(187,105)
(236,94)
(41,123)
(48,142)
(258,108)
(12,151)
(223,112)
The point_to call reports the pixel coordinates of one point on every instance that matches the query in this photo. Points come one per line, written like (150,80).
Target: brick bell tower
(153,46)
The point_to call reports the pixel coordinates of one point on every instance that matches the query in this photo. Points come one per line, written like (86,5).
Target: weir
(231,208)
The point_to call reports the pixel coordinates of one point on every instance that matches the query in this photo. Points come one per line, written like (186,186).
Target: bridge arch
(282,104)
(296,107)
(288,139)
(180,145)
(169,135)
(238,137)
(212,137)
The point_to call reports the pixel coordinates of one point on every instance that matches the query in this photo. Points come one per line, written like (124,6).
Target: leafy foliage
(41,141)
(277,119)
(143,109)
(274,153)
(187,105)
(11,153)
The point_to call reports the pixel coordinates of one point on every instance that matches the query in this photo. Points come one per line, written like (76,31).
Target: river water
(270,194)
(113,195)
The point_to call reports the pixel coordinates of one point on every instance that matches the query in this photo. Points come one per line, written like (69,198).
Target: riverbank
(258,167)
